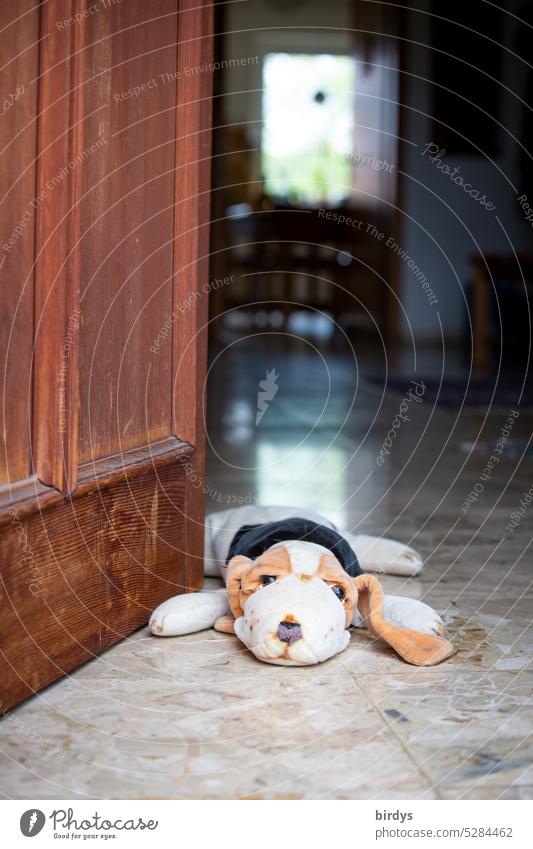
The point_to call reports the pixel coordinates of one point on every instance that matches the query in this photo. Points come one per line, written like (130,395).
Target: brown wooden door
(104,173)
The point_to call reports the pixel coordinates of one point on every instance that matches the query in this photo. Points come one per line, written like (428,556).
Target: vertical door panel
(109,522)
(19,61)
(126,246)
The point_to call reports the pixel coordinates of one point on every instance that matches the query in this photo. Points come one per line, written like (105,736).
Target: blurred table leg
(481,316)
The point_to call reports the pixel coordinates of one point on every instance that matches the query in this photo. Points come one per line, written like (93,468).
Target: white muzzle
(296,621)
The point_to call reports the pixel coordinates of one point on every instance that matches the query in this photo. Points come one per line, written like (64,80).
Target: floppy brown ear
(414,647)
(236,568)
(225,624)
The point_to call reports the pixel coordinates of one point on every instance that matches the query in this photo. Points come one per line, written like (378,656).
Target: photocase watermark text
(49,186)
(17,724)
(526,208)
(268,390)
(493,460)
(34,581)
(435,155)
(11,99)
(369,229)
(73,326)
(415,393)
(186,72)
(517,515)
(184,307)
(96,822)
(360,158)
(216,495)
(93,9)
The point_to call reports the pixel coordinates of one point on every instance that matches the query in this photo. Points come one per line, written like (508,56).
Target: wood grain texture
(129,464)
(191,257)
(29,495)
(127,227)
(84,574)
(19,59)
(57,316)
(26,496)
(108,520)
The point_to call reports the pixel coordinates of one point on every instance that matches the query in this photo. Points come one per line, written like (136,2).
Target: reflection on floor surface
(199,717)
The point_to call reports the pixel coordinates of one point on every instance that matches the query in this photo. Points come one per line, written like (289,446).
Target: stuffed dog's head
(293,605)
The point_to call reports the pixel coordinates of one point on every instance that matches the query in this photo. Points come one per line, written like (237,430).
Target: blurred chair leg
(286,277)
(481,316)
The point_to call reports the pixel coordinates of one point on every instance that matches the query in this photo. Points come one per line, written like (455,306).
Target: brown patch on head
(276,558)
(237,567)
(303,577)
(244,575)
(331,571)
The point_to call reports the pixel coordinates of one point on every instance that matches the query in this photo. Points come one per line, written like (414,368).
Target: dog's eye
(267,579)
(339,592)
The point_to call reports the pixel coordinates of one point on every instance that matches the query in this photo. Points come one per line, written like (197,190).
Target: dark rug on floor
(454,393)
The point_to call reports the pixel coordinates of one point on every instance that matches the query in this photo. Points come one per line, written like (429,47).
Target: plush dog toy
(295,585)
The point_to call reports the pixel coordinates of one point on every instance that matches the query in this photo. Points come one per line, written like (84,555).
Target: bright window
(308,120)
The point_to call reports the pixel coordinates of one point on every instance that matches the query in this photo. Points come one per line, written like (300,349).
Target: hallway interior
(200,717)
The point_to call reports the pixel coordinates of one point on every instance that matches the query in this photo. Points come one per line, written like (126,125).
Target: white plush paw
(386,555)
(186,614)
(413,614)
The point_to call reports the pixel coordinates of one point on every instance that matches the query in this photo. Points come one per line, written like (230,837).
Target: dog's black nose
(289,632)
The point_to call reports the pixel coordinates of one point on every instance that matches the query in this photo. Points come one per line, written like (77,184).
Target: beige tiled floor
(199,717)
